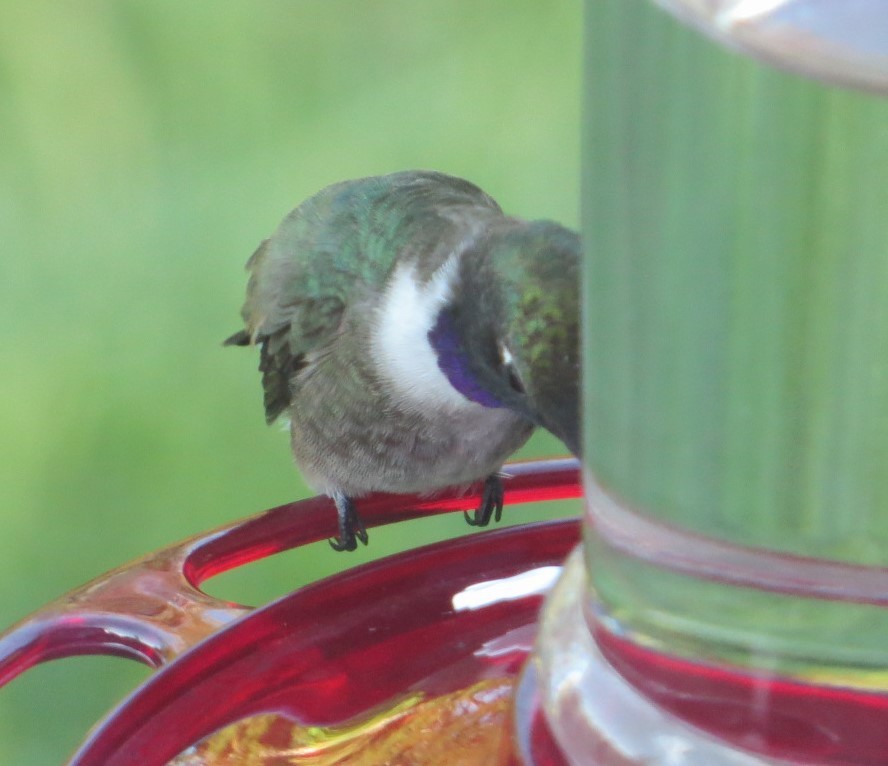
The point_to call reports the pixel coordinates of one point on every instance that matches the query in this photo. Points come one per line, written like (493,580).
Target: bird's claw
(351,528)
(491,503)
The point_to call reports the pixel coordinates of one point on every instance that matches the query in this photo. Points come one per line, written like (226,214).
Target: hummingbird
(415,336)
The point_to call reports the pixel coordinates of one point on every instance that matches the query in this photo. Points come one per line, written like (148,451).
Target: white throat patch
(400,344)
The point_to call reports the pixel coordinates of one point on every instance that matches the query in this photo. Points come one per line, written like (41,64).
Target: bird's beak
(559,412)
(571,436)
(566,429)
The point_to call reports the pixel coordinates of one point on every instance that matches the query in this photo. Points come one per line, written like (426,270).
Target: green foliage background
(147,147)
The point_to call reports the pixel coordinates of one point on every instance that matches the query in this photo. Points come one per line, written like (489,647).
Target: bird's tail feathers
(240,338)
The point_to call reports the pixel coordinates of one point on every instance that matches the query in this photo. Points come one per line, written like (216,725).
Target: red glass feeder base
(412,657)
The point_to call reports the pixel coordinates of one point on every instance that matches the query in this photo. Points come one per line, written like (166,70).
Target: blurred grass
(147,147)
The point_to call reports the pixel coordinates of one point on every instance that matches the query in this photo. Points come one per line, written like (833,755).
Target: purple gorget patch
(454,363)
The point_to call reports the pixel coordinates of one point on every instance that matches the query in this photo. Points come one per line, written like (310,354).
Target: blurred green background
(147,148)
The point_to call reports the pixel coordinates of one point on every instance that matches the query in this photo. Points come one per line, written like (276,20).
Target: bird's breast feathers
(400,339)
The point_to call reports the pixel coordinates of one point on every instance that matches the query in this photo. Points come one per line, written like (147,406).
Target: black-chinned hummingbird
(414,335)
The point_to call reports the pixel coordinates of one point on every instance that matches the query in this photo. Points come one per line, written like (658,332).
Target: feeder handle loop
(153,609)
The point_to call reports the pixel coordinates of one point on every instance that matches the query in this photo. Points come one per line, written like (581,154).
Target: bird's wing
(287,318)
(303,277)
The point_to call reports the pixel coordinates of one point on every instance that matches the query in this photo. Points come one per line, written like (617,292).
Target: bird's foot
(491,503)
(351,528)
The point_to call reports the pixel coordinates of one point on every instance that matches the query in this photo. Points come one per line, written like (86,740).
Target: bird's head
(516,321)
